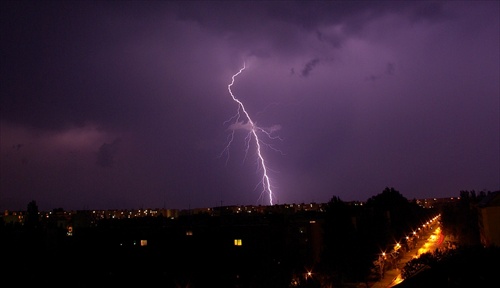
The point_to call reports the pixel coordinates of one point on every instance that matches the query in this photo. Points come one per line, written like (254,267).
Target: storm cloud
(362,95)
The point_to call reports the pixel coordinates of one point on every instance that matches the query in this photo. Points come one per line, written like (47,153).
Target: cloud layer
(126,104)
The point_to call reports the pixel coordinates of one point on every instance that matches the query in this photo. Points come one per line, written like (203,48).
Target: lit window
(144,242)
(237,242)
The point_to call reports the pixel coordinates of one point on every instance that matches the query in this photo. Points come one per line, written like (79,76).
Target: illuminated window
(189,233)
(237,242)
(144,242)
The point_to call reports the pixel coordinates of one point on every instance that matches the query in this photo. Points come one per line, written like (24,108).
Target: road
(429,242)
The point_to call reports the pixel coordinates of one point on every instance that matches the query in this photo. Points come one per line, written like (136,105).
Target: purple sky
(111,105)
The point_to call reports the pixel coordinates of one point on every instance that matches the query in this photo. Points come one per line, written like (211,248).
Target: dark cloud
(309,67)
(397,94)
(372,78)
(107,152)
(431,11)
(390,69)
(17,146)
(335,39)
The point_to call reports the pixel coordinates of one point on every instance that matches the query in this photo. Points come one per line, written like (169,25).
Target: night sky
(125,105)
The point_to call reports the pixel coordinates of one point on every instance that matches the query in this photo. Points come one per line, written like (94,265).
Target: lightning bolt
(248,124)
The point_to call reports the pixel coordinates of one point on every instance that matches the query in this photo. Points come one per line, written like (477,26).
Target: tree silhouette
(392,216)
(461,220)
(32,221)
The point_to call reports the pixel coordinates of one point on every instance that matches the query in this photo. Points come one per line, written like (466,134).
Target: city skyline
(236,208)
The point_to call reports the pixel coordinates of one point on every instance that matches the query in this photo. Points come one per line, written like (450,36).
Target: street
(429,241)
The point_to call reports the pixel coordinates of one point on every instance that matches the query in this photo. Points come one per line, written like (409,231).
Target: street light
(308,274)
